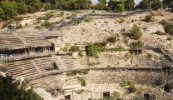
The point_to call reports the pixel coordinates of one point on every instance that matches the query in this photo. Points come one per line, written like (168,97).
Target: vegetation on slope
(11,8)
(135,32)
(11,89)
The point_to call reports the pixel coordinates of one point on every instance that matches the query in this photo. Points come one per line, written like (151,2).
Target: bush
(73,73)
(46,24)
(82,81)
(169,29)
(132,89)
(159,33)
(148,18)
(169,39)
(168,87)
(126,83)
(111,39)
(74,49)
(80,54)
(137,44)
(48,16)
(115,96)
(93,49)
(135,32)
(119,8)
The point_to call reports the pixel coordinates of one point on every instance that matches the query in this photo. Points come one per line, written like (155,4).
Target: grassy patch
(73,73)
(89,19)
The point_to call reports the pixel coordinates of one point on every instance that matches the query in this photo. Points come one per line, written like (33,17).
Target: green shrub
(158,50)
(93,49)
(168,87)
(48,16)
(74,49)
(46,24)
(169,29)
(126,83)
(82,81)
(137,44)
(169,39)
(119,8)
(132,89)
(135,32)
(93,11)
(115,96)
(159,33)
(111,39)
(80,54)
(148,18)
(73,73)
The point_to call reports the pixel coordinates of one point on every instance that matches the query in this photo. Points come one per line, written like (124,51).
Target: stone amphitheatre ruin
(39,58)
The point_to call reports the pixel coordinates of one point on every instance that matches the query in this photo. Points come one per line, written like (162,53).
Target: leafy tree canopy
(11,89)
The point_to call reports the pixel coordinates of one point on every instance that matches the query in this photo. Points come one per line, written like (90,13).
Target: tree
(11,89)
(101,5)
(129,4)
(169,3)
(112,4)
(119,8)
(9,8)
(1,13)
(22,8)
(156,4)
(135,32)
(144,4)
(33,5)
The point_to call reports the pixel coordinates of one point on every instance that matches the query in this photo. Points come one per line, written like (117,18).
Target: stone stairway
(59,62)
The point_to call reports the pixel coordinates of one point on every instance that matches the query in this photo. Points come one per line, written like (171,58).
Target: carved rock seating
(9,41)
(21,68)
(32,68)
(48,83)
(44,64)
(33,40)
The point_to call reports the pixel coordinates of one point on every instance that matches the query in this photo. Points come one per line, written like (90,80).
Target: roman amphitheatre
(89,55)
